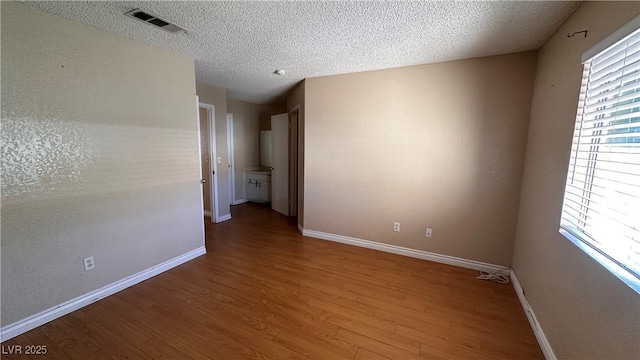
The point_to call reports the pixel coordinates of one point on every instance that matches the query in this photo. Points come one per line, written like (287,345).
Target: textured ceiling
(238,45)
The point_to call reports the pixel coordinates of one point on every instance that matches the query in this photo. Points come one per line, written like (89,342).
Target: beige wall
(99,158)
(296,99)
(438,146)
(585,312)
(217,96)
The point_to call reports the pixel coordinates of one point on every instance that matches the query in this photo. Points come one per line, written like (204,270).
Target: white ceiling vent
(149,18)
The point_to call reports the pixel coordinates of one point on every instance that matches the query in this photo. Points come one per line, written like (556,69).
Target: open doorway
(280,164)
(231,160)
(294,117)
(206,122)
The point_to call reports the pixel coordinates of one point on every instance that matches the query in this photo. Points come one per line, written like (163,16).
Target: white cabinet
(258,186)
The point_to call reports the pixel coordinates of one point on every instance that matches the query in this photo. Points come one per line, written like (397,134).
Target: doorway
(294,117)
(206,124)
(285,151)
(280,199)
(231,160)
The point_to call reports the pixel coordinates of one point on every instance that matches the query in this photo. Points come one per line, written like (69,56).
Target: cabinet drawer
(258,177)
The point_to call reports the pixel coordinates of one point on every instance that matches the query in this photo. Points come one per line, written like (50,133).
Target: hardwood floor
(264,291)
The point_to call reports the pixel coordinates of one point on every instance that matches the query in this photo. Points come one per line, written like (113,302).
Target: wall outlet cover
(88,263)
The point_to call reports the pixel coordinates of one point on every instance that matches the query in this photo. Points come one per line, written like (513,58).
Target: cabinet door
(253,193)
(265,191)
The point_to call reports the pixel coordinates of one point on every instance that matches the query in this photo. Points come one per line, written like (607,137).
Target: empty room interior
(320,180)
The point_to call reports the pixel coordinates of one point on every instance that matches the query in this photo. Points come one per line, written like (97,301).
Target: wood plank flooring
(264,291)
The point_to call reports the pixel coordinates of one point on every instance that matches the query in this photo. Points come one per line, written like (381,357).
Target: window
(601,206)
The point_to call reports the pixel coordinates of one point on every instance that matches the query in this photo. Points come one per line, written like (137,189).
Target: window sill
(620,272)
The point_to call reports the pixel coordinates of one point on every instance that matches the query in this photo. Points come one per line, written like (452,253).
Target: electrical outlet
(428,233)
(88,263)
(396,226)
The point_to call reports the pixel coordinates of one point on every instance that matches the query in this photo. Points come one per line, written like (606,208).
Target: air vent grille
(152,19)
(142,16)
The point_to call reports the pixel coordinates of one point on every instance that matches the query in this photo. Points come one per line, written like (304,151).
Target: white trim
(399,250)
(231,159)
(610,40)
(223,218)
(32,322)
(241,201)
(300,229)
(207,213)
(533,321)
(212,157)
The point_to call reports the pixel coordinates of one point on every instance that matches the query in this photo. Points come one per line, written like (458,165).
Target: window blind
(602,195)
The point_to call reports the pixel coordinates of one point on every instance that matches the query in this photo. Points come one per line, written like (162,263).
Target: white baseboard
(533,321)
(399,250)
(223,218)
(207,213)
(32,322)
(300,229)
(241,201)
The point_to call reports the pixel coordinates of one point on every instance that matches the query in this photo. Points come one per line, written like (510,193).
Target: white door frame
(232,165)
(202,184)
(211,121)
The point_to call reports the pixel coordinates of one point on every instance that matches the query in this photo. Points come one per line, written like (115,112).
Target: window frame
(625,275)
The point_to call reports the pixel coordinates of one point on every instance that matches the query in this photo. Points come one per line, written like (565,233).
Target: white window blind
(602,196)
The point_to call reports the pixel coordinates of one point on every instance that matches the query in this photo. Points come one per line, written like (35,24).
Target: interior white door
(280,157)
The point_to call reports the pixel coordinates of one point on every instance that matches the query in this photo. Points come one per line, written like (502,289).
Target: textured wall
(99,158)
(585,312)
(217,96)
(296,98)
(438,146)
